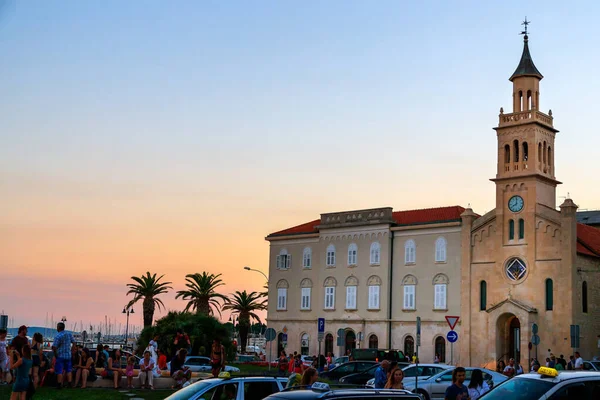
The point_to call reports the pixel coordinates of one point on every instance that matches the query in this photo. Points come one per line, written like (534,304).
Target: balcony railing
(518,117)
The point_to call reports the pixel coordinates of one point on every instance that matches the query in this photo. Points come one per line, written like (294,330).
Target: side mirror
(438,380)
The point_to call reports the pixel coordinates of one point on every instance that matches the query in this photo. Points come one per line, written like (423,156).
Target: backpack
(294,380)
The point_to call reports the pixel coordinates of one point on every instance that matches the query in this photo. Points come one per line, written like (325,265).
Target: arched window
(410,252)
(507,154)
(352,252)
(544,153)
(330,255)
(529,100)
(329,284)
(549,156)
(375,253)
(373,342)
(520,101)
(516,150)
(539,153)
(307,258)
(440,285)
(305,293)
(410,283)
(511,229)
(304,342)
(282,288)
(549,295)
(328,344)
(351,286)
(521,228)
(584,299)
(374,284)
(440,250)
(409,346)
(482,295)
(440,348)
(525,151)
(284,260)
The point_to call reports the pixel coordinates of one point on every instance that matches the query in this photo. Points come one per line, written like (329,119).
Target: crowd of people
(25,364)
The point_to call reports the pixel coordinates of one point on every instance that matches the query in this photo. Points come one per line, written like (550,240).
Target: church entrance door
(508,342)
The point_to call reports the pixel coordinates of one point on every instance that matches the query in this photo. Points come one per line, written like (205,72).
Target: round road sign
(535,340)
(534,329)
(270,334)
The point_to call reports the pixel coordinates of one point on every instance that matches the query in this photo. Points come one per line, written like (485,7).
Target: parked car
(341,360)
(434,387)
(359,378)
(202,364)
(351,367)
(591,365)
(424,372)
(379,355)
(345,394)
(567,385)
(242,388)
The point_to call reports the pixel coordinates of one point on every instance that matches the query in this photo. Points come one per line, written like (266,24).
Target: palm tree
(148,287)
(245,305)
(201,294)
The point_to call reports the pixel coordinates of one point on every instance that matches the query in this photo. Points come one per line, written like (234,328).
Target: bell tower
(525,175)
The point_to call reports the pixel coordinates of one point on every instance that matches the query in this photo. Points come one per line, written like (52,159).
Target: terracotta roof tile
(409,217)
(588,240)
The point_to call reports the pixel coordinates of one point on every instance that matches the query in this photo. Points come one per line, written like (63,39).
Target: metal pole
(319,355)
(270,354)
(127,328)
(452,353)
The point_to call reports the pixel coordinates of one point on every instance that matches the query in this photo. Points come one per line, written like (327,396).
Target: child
(129,371)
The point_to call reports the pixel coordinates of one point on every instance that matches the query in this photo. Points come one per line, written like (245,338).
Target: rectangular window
(374,297)
(305,301)
(409,254)
(282,299)
(307,260)
(351,297)
(351,257)
(440,297)
(284,261)
(330,258)
(409,297)
(329,298)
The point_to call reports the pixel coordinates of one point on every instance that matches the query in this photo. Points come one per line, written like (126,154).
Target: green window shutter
(549,295)
(511,229)
(482,295)
(521,228)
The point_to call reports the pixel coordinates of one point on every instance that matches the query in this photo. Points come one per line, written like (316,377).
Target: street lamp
(63,319)
(127,311)
(255,270)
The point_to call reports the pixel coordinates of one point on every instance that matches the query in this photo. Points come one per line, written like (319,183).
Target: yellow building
(370,273)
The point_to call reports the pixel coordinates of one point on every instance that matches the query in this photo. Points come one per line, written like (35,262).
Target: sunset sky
(173,137)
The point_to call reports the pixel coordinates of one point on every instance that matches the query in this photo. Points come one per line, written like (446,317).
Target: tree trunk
(203,306)
(148,309)
(244,325)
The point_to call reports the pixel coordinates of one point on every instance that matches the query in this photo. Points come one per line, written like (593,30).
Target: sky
(173,137)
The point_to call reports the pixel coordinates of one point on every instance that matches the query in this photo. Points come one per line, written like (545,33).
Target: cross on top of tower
(525,23)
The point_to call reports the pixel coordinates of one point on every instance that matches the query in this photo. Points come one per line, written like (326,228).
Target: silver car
(243,388)
(424,371)
(434,387)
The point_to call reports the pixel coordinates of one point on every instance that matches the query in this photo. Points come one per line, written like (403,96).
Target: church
(518,277)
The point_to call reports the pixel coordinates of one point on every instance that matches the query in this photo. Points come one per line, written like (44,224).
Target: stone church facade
(370,273)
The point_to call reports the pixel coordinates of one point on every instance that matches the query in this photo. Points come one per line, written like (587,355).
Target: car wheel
(423,393)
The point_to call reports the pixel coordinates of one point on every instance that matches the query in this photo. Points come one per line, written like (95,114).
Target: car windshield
(519,389)
(596,364)
(187,392)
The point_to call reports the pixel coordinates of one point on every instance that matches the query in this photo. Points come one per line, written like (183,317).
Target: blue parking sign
(321,325)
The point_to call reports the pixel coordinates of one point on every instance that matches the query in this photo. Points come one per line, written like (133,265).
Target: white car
(243,388)
(202,364)
(532,386)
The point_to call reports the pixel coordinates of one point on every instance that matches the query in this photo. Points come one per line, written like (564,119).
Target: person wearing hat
(21,339)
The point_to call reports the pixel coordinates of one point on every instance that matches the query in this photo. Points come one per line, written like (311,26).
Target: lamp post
(256,270)
(127,311)
(63,319)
